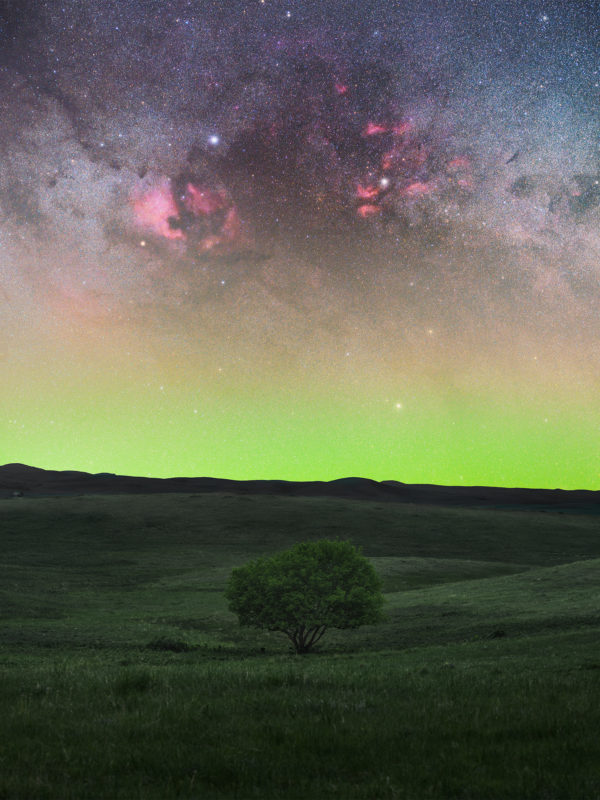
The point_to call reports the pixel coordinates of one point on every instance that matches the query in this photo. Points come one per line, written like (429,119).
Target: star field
(302,240)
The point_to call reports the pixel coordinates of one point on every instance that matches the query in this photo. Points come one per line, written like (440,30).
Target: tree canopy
(305,590)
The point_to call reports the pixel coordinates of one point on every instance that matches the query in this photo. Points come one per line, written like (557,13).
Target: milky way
(302,239)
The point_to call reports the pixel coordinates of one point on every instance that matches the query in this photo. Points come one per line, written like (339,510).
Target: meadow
(125,676)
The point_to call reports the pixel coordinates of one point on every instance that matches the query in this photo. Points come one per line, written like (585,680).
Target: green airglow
(250,430)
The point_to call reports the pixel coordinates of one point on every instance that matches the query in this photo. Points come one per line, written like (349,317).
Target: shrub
(305,590)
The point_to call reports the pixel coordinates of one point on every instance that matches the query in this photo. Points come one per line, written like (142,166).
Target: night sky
(302,240)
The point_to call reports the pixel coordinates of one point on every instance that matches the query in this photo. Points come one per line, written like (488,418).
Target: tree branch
(323,629)
(317,632)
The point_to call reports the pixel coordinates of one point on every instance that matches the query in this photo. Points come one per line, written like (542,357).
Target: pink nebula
(201,201)
(418,188)
(368,210)
(367,192)
(459,163)
(375,128)
(154,208)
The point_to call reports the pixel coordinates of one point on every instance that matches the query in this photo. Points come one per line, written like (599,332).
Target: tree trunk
(303,640)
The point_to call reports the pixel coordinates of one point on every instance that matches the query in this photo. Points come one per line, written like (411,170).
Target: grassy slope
(483,682)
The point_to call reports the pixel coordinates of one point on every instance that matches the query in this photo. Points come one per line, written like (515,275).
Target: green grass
(123,675)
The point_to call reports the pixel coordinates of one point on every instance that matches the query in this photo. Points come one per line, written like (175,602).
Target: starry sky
(302,239)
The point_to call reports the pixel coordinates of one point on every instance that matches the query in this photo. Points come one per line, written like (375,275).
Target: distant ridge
(20,479)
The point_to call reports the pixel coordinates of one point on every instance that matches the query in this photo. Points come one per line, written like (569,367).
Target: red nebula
(203,217)
(387,160)
(418,188)
(459,169)
(232,227)
(155,208)
(368,210)
(341,88)
(209,243)
(461,162)
(201,201)
(374,128)
(366,192)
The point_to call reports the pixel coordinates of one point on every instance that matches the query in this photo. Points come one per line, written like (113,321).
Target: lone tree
(305,590)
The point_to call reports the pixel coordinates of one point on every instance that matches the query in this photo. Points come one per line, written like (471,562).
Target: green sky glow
(237,426)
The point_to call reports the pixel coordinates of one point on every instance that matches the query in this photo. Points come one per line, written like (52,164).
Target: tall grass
(375,726)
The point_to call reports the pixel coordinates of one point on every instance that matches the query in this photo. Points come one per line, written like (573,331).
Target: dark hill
(17,479)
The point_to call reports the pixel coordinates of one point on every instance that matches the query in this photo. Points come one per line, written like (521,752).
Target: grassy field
(124,675)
